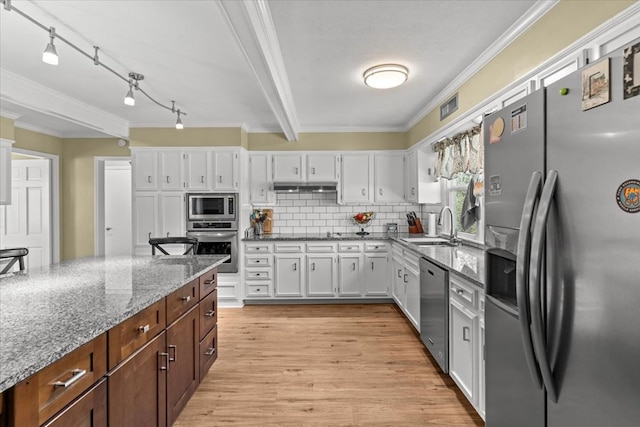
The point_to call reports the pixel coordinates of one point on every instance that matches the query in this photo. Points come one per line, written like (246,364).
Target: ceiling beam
(250,22)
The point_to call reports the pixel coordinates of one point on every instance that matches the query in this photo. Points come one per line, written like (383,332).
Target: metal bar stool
(157,242)
(14,254)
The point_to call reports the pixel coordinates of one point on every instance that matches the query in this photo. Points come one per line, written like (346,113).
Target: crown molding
(537,11)
(253,28)
(29,94)
(9,114)
(39,129)
(347,129)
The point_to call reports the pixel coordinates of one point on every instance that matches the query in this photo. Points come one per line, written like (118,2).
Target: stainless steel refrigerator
(562,178)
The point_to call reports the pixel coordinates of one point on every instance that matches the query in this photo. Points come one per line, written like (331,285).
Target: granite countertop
(464,260)
(48,312)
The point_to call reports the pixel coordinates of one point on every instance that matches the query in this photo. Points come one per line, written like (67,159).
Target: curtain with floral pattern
(463,152)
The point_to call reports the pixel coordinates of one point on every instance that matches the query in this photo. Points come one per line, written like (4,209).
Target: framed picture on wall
(631,71)
(595,85)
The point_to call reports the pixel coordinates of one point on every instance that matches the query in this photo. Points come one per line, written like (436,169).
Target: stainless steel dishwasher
(434,311)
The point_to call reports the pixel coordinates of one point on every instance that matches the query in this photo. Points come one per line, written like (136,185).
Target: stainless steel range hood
(305,187)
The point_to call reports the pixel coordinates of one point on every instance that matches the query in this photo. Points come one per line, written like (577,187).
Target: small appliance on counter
(392,228)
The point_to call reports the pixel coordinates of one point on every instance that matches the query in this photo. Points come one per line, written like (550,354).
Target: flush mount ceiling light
(50,56)
(385,76)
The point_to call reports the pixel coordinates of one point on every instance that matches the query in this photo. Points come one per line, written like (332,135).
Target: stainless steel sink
(423,241)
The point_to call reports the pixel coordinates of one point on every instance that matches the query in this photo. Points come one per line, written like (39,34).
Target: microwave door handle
(535,288)
(522,270)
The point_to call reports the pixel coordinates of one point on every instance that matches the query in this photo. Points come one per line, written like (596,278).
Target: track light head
(129,99)
(50,56)
(179,124)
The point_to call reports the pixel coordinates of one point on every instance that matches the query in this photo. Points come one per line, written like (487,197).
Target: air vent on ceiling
(449,107)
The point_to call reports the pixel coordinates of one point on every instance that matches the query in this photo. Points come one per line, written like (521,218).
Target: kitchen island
(52,313)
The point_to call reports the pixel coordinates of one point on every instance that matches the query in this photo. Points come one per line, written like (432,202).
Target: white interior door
(117,208)
(26,222)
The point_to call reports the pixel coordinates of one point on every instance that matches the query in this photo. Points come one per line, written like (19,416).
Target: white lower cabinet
(405,282)
(288,275)
(321,275)
(322,269)
(466,339)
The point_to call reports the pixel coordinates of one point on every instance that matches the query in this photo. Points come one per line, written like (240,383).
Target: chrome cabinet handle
(295,170)
(413,191)
(295,266)
(313,266)
(313,171)
(149,234)
(459,291)
(220,179)
(202,179)
(262,191)
(148,179)
(77,374)
(380,191)
(167,234)
(371,265)
(210,313)
(187,298)
(353,266)
(109,228)
(405,278)
(465,332)
(363,192)
(143,329)
(166,357)
(400,273)
(208,282)
(175,353)
(168,179)
(210,351)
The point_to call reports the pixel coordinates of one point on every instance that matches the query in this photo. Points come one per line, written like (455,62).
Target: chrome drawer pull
(187,298)
(210,351)
(208,282)
(77,374)
(459,291)
(166,366)
(144,329)
(210,313)
(175,353)
(465,331)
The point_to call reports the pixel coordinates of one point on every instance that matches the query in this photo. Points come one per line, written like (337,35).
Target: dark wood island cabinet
(142,371)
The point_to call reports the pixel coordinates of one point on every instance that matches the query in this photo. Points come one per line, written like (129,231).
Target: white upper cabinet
(260,179)
(172,213)
(322,168)
(225,170)
(171,170)
(145,170)
(421,185)
(197,170)
(288,167)
(389,180)
(357,178)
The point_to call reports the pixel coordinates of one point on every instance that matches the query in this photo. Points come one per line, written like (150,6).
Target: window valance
(463,152)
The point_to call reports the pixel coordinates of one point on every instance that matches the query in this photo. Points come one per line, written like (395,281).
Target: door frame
(98,200)
(54,194)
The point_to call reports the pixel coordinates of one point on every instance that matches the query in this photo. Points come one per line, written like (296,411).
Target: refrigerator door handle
(535,288)
(522,269)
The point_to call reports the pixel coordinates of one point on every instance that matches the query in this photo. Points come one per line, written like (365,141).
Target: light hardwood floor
(323,365)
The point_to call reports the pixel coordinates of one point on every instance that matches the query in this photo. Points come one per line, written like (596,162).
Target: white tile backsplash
(319,213)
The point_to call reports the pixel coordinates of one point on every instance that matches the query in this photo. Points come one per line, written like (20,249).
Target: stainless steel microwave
(212,206)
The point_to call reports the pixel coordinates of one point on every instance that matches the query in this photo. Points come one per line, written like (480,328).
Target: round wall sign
(628,196)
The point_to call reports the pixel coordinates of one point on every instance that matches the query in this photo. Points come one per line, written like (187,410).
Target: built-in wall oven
(212,219)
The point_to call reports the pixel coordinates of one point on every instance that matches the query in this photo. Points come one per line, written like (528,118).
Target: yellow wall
(329,141)
(6,128)
(36,141)
(559,28)
(78,190)
(188,137)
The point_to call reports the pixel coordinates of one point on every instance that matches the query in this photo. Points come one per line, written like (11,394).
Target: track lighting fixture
(50,56)
(129,99)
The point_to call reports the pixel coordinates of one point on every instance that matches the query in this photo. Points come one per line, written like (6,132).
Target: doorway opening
(113,214)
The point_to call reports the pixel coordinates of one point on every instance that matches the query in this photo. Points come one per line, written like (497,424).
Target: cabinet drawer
(257,261)
(289,247)
(208,282)
(208,351)
(257,248)
(375,247)
(134,332)
(321,247)
(463,292)
(259,289)
(42,395)
(88,409)
(181,301)
(208,313)
(349,247)
(255,274)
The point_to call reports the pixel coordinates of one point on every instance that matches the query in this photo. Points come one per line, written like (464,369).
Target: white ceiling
(222,63)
